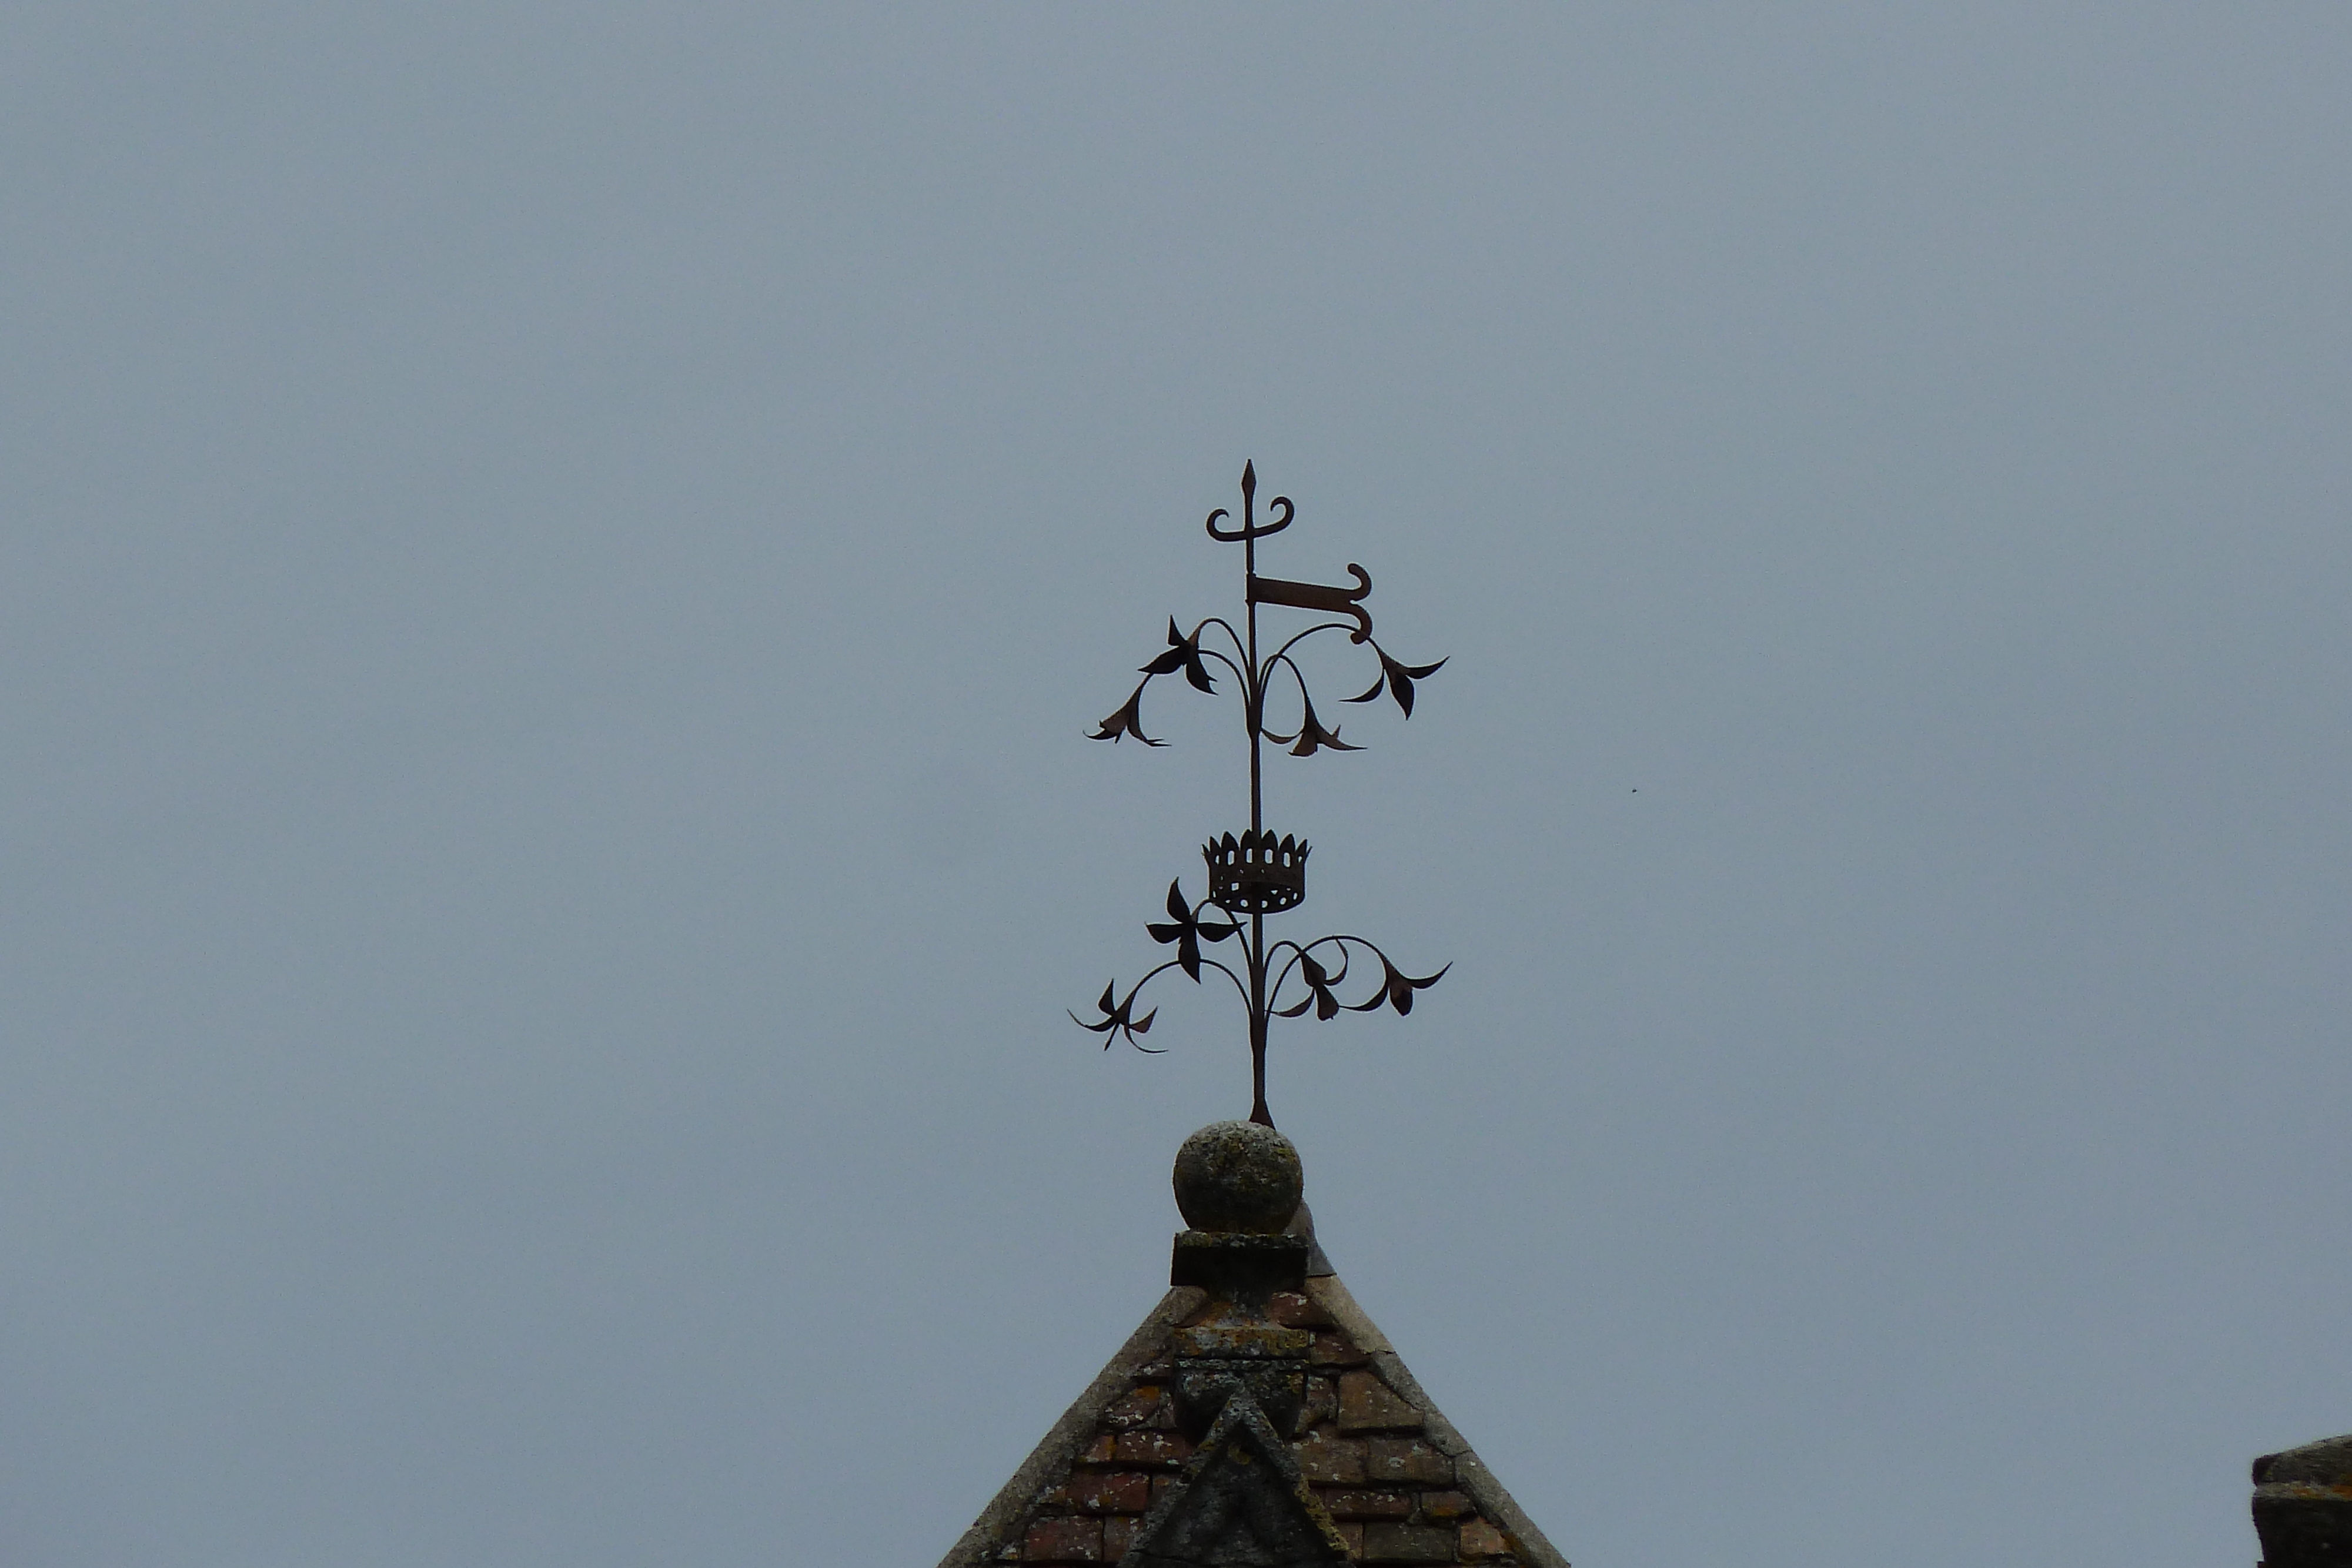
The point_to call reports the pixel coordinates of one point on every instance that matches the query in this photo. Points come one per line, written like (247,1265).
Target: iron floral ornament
(1256,875)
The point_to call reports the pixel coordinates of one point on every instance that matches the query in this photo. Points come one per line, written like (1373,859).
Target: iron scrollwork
(1256,873)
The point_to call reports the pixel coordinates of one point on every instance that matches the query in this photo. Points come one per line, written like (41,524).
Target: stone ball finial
(1238,1176)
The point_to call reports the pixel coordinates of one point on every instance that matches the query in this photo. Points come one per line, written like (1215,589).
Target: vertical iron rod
(1254,714)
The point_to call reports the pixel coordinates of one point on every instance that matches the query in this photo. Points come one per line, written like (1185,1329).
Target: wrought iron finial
(1254,873)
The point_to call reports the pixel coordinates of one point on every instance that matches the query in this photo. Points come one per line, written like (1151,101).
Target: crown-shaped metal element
(1255,874)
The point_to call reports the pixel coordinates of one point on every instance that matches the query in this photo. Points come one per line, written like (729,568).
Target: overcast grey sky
(555,561)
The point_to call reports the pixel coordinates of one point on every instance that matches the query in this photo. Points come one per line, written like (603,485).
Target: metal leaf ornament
(1127,721)
(1119,1019)
(1396,989)
(1319,990)
(1187,931)
(1183,653)
(1397,679)
(1312,737)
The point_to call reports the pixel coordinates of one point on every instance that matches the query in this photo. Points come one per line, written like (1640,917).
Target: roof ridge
(1471,1474)
(1058,1450)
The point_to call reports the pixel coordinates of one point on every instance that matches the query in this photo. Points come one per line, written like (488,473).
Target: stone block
(1445,1505)
(1112,1491)
(1163,1450)
(1405,1462)
(1408,1543)
(1368,1504)
(1240,1341)
(1064,1541)
(1332,1349)
(2303,1505)
(1482,1539)
(1118,1534)
(1326,1460)
(1367,1405)
(1202,1389)
(1224,1261)
(1353,1534)
(1097,1452)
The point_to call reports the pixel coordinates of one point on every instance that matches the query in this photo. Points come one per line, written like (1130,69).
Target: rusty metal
(1316,596)
(1256,873)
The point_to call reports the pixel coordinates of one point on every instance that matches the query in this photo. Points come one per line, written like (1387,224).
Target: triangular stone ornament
(1256,1390)
(1241,1502)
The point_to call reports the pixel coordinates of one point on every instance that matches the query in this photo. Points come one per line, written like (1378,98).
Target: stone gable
(1385,1471)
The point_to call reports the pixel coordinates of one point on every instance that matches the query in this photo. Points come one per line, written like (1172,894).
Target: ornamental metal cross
(1257,875)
